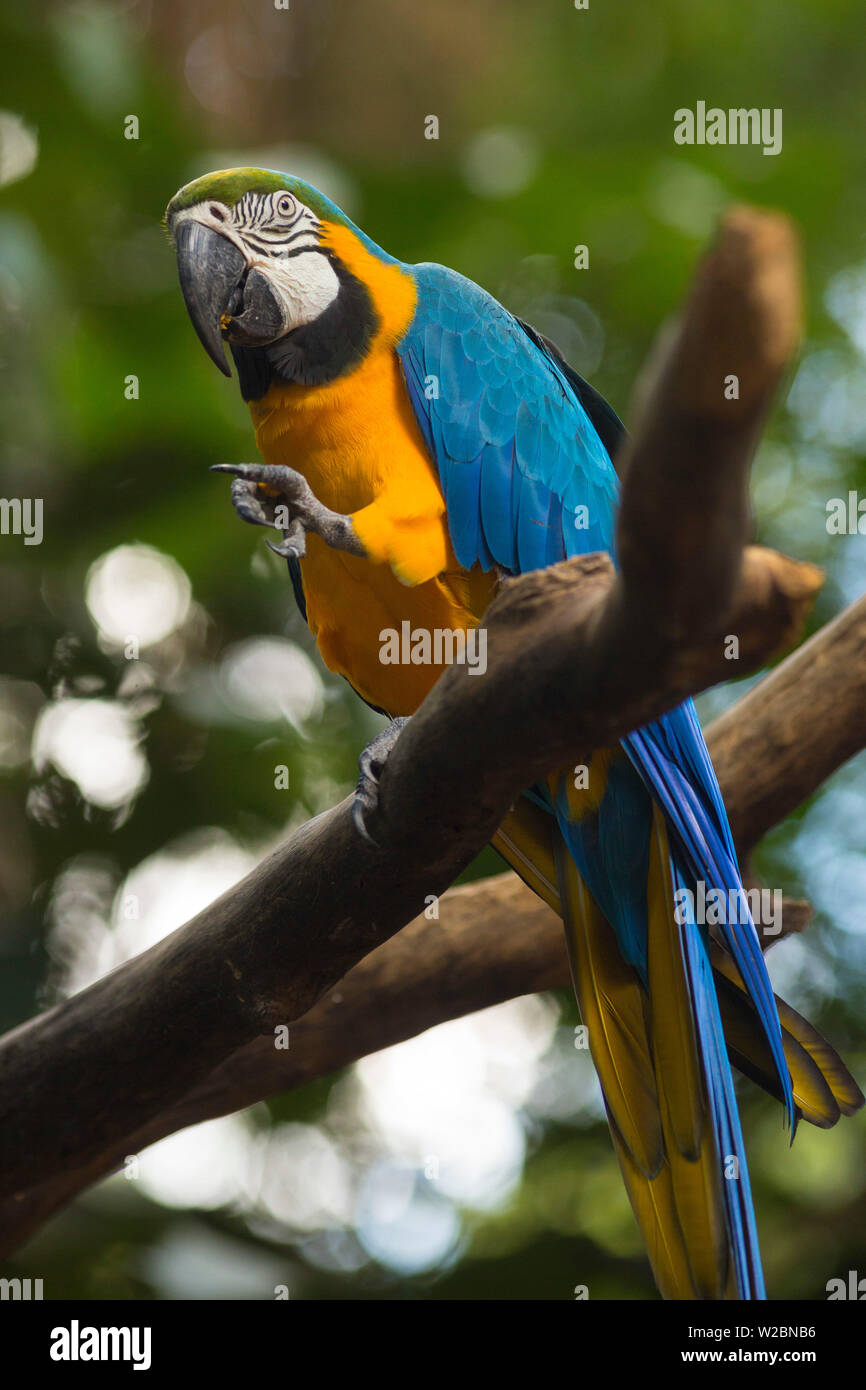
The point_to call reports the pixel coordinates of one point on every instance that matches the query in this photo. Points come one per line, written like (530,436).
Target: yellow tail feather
(824,1088)
(611,1004)
(674,1046)
(643,1063)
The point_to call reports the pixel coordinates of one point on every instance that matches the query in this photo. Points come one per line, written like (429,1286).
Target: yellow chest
(351,439)
(358,444)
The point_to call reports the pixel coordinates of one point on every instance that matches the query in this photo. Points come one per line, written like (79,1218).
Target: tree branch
(808,717)
(578,655)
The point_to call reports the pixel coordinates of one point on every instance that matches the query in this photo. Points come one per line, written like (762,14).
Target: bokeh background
(472,1162)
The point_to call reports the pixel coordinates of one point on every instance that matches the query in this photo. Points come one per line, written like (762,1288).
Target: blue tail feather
(704,837)
(736,1188)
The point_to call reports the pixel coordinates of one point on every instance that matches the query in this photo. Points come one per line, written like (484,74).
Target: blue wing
(517,438)
(506,430)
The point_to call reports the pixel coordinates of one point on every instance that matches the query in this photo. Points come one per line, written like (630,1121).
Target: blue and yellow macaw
(419,443)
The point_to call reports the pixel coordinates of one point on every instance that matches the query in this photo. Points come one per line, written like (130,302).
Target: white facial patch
(306,284)
(279,236)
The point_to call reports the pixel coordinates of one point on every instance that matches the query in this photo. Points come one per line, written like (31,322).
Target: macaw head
(265,264)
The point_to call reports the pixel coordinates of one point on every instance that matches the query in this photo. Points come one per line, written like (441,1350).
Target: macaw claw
(294,541)
(365,802)
(280,497)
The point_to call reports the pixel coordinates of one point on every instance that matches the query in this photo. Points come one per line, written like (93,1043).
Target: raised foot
(280,497)
(370,764)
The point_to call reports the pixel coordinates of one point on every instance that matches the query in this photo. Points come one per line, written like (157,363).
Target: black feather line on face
(317,352)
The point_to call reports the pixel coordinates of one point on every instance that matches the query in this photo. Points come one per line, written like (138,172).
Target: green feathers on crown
(229,185)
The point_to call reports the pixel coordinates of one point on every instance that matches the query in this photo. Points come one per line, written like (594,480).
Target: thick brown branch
(794,728)
(702,399)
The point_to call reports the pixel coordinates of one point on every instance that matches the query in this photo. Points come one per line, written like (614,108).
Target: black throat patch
(317,352)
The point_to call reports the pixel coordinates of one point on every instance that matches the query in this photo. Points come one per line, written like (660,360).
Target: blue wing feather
(495,399)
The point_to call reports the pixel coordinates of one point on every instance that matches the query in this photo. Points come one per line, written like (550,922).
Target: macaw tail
(653,992)
(667,1087)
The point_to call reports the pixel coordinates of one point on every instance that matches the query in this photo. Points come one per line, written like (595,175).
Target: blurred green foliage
(580,106)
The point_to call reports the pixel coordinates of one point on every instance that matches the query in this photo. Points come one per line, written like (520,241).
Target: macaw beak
(211,269)
(224,296)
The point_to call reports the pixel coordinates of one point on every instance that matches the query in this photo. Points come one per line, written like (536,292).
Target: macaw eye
(285,205)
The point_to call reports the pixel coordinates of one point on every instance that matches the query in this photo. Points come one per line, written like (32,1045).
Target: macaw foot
(272,495)
(371,763)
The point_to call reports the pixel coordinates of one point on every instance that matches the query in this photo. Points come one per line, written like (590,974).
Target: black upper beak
(211,268)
